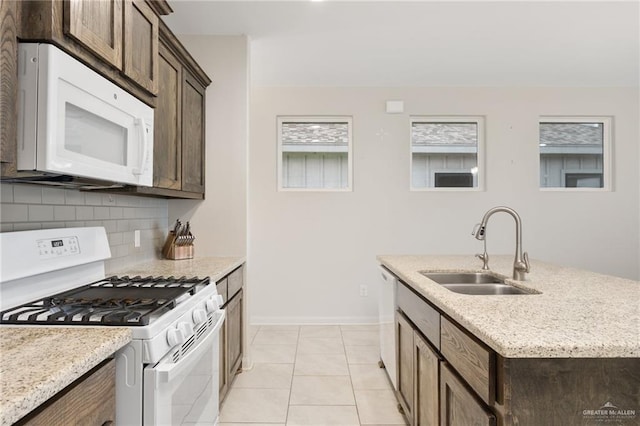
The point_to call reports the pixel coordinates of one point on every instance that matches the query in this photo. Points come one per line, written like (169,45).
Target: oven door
(183,387)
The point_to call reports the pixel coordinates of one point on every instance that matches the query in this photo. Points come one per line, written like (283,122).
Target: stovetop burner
(113,301)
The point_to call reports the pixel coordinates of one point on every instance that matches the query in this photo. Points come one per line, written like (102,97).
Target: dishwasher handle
(387,276)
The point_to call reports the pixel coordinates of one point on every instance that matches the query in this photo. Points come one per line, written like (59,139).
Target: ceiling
(427,43)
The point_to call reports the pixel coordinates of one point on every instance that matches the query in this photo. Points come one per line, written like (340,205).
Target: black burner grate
(117,301)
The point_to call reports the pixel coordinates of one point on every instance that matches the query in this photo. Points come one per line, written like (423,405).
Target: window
(574,152)
(314,153)
(446,152)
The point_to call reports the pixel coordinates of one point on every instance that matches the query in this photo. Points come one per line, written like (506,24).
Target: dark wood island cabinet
(447,376)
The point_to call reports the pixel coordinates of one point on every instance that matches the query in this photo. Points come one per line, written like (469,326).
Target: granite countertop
(578,314)
(213,267)
(38,362)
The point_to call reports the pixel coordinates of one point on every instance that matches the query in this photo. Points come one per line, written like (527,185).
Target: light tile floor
(312,375)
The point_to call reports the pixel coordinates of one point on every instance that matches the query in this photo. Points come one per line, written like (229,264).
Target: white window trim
(479,177)
(607,150)
(315,119)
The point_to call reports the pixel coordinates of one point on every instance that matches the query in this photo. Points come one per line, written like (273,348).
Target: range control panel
(58,247)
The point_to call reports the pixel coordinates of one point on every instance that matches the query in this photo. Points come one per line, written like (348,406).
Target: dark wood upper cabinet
(193,125)
(141,44)
(179,124)
(97,25)
(9,18)
(117,38)
(167,153)
(126,42)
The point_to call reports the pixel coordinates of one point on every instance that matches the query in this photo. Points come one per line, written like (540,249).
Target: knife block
(173,251)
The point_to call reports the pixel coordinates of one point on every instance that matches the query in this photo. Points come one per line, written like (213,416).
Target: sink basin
(462,277)
(484,289)
(473,283)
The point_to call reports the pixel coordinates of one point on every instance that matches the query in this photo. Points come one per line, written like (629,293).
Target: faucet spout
(521,261)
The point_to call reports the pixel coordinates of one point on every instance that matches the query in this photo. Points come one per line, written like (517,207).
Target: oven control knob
(211,305)
(175,337)
(186,328)
(199,316)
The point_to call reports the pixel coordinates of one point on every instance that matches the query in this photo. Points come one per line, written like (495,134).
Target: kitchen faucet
(521,262)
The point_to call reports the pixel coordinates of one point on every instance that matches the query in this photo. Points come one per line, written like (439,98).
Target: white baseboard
(262,320)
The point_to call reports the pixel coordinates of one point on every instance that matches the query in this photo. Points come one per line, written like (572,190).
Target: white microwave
(74,122)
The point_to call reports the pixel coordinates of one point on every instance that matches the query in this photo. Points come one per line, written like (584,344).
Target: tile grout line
(353,390)
(293,373)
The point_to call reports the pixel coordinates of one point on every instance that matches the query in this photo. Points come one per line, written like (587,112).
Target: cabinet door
(224,378)
(9,16)
(458,405)
(234,336)
(141,44)
(98,26)
(426,403)
(167,123)
(404,339)
(193,152)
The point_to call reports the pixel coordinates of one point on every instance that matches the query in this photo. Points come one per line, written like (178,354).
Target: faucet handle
(485,260)
(525,259)
(475,228)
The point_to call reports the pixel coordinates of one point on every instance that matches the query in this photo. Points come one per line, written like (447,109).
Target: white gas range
(168,374)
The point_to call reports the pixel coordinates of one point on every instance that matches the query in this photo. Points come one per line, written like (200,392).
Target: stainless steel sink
(462,277)
(473,283)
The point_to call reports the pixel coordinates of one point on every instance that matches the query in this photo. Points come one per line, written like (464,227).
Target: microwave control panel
(58,247)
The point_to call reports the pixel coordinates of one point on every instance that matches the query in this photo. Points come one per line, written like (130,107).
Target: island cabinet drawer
(222,287)
(471,359)
(235,282)
(425,317)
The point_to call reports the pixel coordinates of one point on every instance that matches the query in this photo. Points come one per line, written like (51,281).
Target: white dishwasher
(386,311)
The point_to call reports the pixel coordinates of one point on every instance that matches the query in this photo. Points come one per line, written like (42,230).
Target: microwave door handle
(145,147)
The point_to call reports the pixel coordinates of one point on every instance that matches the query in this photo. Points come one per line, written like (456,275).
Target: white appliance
(386,310)
(169,373)
(74,122)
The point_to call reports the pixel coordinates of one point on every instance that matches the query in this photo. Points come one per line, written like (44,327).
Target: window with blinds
(574,152)
(446,152)
(314,153)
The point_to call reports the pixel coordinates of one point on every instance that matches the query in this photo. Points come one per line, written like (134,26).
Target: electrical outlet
(136,238)
(364,290)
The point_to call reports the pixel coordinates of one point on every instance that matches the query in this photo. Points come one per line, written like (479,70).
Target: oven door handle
(167,371)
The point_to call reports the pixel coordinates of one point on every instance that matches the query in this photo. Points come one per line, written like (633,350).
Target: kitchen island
(566,353)
(577,313)
(38,362)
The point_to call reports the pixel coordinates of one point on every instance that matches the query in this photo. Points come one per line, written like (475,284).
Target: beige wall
(310,252)
(219,222)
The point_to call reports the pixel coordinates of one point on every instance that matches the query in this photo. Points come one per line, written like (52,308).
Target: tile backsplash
(25,207)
